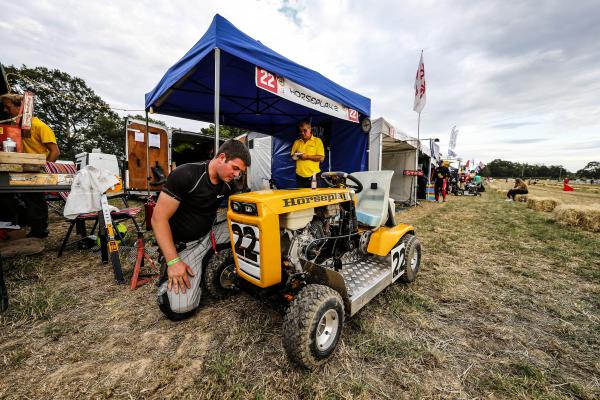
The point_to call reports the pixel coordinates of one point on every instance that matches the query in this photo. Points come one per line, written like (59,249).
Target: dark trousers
(512,192)
(302,182)
(36,211)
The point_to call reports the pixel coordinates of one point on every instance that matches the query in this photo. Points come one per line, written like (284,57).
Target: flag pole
(417,158)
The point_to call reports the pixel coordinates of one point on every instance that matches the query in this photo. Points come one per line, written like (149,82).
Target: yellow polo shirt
(40,134)
(312,147)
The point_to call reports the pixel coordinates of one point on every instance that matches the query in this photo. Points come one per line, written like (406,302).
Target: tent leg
(217,96)
(147,156)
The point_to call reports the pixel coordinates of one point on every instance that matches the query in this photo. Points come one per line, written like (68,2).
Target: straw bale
(585,217)
(521,198)
(546,204)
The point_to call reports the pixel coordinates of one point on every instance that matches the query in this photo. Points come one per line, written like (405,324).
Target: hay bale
(584,217)
(546,204)
(502,191)
(549,204)
(534,203)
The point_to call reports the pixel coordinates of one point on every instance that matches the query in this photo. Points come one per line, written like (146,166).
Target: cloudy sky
(520,79)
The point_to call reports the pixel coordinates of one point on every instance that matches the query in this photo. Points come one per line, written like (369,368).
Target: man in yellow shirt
(308,152)
(39,139)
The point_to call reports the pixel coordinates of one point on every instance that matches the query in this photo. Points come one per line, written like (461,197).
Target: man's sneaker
(508,200)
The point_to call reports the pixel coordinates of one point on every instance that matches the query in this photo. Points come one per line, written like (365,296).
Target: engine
(312,240)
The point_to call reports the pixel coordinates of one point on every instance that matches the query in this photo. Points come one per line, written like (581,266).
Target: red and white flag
(420,87)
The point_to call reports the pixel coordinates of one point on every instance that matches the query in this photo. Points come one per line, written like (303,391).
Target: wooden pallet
(20,168)
(22,158)
(17,179)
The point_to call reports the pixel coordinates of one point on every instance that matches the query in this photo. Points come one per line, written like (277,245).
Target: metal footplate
(361,277)
(364,279)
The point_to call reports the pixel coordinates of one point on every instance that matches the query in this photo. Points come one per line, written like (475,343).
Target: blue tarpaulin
(187,91)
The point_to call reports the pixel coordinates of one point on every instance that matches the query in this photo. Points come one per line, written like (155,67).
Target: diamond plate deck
(364,279)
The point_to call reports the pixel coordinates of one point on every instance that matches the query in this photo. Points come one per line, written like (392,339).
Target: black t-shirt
(199,200)
(441,173)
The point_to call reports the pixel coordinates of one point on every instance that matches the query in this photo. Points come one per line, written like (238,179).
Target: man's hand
(179,274)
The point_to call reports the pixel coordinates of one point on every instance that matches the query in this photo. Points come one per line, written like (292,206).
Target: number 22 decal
(398,256)
(241,233)
(266,80)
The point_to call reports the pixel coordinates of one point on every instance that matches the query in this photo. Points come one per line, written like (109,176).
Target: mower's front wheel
(313,325)
(220,276)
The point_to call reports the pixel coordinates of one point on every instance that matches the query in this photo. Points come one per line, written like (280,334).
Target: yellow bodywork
(270,204)
(384,239)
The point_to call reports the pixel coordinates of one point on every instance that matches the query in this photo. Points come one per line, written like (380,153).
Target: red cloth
(567,188)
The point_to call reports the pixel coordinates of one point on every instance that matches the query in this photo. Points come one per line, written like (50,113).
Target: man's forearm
(53,153)
(164,237)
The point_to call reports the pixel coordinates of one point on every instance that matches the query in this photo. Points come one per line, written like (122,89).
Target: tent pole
(147,156)
(429,168)
(217,95)
(380,149)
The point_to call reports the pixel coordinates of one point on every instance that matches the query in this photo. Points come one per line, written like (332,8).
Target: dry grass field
(582,195)
(507,305)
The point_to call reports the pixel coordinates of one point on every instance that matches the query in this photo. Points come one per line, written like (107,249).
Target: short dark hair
(304,122)
(16,99)
(235,149)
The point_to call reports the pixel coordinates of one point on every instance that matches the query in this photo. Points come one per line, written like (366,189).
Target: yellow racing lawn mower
(338,248)
(327,252)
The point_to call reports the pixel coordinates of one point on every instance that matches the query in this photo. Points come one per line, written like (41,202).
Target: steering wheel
(339,179)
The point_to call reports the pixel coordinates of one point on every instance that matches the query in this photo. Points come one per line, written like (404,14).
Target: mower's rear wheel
(220,276)
(413,257)
(313,325)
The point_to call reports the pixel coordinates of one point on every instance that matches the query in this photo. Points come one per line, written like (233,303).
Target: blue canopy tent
(218,81)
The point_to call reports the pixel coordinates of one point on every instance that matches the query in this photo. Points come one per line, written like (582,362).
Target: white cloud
(499,70)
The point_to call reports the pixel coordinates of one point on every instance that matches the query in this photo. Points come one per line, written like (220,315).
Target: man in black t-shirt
(441,175)
(187,207)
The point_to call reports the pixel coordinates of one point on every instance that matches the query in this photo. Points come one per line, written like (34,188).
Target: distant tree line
(80,119)
(508,169)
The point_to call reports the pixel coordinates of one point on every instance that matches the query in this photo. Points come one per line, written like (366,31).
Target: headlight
(250,209)
(244,208)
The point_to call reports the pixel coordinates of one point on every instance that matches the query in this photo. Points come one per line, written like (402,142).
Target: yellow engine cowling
(255,220)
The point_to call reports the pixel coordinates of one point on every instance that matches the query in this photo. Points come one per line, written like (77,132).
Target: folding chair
(80,221)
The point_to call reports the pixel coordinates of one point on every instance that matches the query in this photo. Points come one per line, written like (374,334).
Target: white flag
(420,87)
(452,143)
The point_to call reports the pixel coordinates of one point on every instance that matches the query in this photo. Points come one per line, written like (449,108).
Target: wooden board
(11,168)
(33,179)
(32,168)
(20,168)
(21,247)
(22,158)
(136,156)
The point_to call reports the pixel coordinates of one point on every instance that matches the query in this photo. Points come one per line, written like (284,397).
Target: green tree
(76,114)
(508,169)
(225,132)
(106,133)
(151,120)
(590,171)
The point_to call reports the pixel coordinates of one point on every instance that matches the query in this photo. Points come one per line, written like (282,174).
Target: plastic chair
(373,202)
